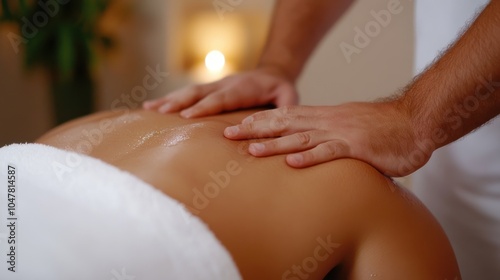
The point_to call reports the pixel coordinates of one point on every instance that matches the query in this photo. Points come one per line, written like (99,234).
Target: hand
(380,134)
(250,89)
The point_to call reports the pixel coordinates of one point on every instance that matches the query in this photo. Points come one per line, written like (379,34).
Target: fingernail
(256,148)
(296,159)
(231,131)
(247,120)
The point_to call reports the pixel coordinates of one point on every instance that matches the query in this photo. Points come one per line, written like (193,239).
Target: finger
(154,104)
(280,112)
(322,153)
(182,98)
(214,103)
(289,144)
(272,127)
(162,104)
(262,115)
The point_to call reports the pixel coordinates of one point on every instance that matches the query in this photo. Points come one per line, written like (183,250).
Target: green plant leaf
(40,48)
(65,52)
(90,13)
(65,47)
(6,13)
(23,6)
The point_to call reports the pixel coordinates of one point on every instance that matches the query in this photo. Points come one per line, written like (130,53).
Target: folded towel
(69,216)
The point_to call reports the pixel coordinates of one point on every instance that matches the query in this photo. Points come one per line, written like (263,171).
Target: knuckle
(256,116)
(334,149)
(264,133)
(304,138)
(342,148)
(329,149)
(249,127)
(279,124)
(262,115)
(286,110)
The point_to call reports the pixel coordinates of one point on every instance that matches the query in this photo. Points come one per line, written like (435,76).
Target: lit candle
(215,68)
(215,61)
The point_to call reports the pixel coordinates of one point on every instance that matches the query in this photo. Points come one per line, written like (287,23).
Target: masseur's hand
(380,134)
(255,88)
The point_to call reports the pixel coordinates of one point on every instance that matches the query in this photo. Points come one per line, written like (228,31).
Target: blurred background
(61,59)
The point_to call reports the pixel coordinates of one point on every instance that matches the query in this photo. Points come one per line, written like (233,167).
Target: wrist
(285,70)
(421,121)
(278,70)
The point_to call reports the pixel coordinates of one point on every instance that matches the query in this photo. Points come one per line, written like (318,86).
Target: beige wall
(380,69)
(149,37)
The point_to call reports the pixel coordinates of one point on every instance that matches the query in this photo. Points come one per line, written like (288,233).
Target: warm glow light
(215,61)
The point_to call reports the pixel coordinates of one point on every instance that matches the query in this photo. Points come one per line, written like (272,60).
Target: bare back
(277,222)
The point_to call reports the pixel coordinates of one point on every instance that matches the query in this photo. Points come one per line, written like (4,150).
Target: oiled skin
(270,216)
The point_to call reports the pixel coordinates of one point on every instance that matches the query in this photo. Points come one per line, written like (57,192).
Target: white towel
(80,218)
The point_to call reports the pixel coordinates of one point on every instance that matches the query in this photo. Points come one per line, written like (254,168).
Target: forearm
(460,92)
(297,28)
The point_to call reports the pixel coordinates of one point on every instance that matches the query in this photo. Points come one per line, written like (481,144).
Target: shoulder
(394,235)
